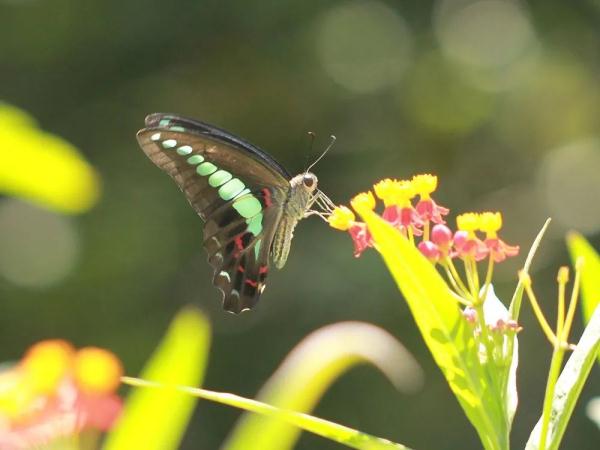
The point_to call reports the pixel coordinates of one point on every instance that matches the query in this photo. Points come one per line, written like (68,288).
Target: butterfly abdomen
(282,241)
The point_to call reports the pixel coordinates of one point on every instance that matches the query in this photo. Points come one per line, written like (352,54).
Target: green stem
(461,293)
(557,358)
(475,274)
(564,336)
(488,278)
(470,281)
(448,261)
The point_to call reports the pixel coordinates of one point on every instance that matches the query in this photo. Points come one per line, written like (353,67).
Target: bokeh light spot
(39,248)
(484,33)
(569,182)
(558,104)
(364,46)
(438,99)
(592,410)
(493,40)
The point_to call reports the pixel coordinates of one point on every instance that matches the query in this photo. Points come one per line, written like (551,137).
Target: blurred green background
(500,99)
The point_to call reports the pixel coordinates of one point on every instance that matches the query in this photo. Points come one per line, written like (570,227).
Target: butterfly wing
(236,188)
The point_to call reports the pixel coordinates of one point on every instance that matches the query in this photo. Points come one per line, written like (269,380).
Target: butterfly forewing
(236,189)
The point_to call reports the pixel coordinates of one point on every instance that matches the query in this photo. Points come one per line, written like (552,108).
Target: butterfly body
(295,209)
(249,202)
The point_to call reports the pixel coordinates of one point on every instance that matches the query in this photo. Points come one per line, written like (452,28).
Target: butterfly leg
(313,212)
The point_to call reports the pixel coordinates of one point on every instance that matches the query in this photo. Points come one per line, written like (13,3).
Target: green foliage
(156,419)
(338,433)
(579,247)
(299,384)
(57,177)
(569,386)
(446,333)
(311,368)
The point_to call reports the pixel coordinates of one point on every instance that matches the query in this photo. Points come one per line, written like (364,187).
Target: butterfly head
(309,181)
(305,182)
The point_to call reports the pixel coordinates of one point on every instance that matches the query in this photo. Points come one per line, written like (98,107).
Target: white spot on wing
(224,274)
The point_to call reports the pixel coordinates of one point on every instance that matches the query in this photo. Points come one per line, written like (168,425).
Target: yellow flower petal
(490,223)
(16,397)
(97,370)
(424,184)
(341,218)
(45,364)
(364,200)
(385,190)
(468,222)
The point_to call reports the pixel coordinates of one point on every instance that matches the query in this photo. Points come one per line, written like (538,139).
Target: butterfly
(249,202)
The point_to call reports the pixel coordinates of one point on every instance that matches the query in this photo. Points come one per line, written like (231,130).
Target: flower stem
(448,262)
(538,312)
(470,280)
(555,364)
(459,291)
(564,336)
(488,278)
(562,278)
(475,273)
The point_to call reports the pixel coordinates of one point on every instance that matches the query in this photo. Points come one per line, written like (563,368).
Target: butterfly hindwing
(238,250)
(237,189)
(240,255)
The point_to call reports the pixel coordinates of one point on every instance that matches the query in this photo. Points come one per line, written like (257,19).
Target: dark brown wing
(236,188)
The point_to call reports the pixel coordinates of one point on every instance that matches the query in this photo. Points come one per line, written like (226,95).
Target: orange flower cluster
(55,392)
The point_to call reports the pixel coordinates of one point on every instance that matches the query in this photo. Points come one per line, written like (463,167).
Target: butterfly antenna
(310,145)
(331,142)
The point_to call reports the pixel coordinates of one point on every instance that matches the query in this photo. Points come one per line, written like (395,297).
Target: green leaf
(156,419)
(569,386)
(311,368)
(57,176)
(338,433)
(579,247)
(446,333)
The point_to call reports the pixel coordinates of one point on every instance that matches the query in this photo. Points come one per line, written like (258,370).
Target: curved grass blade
(156,419)
(569,386)
(330,430)
(444,330)
(311,368)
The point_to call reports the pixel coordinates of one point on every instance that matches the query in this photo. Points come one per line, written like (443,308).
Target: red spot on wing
(263,269)
(241,269)
(252,283)
(238,242)
(267,194)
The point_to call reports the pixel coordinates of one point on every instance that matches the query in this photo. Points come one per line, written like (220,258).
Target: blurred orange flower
(56,392)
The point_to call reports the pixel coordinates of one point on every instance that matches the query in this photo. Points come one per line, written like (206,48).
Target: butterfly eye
(309,180)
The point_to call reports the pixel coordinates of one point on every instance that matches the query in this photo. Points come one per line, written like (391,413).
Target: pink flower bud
(429,250)
(441,235)
(470,315)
